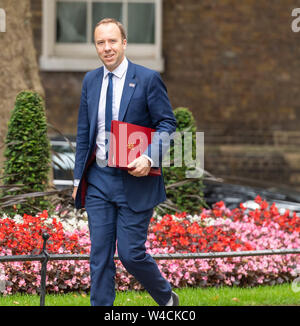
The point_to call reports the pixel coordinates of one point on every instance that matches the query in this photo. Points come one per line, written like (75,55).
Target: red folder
(127,142)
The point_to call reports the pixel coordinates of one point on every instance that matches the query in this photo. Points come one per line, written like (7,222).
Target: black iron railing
(44,257)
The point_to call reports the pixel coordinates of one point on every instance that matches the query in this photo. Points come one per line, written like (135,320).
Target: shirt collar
(119,71)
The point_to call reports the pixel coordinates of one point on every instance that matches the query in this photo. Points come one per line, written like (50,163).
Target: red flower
(26,237)
(258,199)
(264,205)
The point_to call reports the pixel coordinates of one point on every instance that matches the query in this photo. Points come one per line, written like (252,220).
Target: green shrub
(27,153)
(188,196)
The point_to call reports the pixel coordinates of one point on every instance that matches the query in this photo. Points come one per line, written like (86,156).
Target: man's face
(109,45)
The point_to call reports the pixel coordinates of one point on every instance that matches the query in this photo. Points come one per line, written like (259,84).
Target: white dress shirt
(118,80)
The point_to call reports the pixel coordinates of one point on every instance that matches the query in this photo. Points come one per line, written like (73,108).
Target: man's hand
(141,167)
(74,192)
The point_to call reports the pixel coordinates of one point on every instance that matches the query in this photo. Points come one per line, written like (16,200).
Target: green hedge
(189,196)
(27,152)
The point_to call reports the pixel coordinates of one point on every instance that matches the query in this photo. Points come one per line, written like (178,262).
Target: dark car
(63,158)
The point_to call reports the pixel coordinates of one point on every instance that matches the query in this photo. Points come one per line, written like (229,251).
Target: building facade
(234,63)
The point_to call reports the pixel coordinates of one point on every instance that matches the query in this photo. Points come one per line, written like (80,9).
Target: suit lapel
(97,84)
(128,90)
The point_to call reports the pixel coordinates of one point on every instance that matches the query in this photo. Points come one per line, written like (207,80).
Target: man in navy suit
(120,203)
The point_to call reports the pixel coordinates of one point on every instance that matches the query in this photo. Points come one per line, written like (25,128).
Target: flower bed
(218,229)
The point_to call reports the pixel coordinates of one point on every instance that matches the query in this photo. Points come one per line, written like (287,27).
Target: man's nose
(107,46)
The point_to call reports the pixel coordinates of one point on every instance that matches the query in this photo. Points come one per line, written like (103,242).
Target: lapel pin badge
(131,85)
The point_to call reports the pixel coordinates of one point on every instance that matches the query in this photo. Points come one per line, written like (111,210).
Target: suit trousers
(113,224)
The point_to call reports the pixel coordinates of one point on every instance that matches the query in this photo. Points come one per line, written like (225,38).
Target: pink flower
(22,282)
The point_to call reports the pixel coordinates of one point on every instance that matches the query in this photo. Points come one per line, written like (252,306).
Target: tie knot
(110,75)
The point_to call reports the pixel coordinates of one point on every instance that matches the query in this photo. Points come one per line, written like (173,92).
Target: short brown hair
(114,21)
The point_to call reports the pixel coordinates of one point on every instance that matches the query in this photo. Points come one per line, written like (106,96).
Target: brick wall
(62,89)
(236,65)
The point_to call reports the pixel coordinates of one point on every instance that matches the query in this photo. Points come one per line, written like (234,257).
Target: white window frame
(83,57)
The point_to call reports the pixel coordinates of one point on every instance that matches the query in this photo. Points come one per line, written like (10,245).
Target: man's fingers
(140,162)
(74,192)
(132,164)
(140,167)
(139,171)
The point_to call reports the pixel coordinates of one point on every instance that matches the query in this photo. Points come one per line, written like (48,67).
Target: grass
(278,295)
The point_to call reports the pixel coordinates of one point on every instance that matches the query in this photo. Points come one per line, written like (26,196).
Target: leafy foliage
(183,193)
(27,153)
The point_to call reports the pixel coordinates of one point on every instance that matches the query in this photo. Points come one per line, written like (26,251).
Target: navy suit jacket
(144,102)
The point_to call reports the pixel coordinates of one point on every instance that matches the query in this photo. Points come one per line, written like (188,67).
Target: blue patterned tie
(108,107)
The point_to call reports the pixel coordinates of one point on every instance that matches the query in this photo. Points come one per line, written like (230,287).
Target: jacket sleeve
(162,118)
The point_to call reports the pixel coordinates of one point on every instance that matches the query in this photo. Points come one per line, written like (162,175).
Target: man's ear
(124,43)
